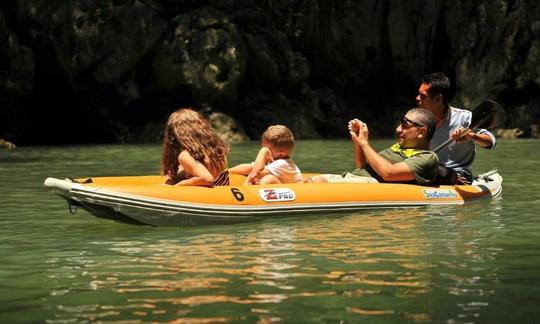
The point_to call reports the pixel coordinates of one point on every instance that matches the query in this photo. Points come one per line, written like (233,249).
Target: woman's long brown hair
(188,130)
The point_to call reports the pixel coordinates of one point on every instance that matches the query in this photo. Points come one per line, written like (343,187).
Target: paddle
(488,115)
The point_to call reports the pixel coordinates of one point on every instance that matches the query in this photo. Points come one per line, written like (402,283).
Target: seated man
(408,161)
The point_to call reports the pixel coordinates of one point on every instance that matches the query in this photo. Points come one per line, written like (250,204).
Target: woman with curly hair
(193,154)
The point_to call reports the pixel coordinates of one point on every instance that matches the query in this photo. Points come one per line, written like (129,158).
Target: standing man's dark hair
(439,85)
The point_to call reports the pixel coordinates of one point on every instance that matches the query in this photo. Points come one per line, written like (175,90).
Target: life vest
(405,152)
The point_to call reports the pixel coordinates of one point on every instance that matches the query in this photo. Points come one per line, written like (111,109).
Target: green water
(478,263)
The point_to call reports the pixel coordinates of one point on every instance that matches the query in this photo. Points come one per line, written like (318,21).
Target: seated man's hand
(354,125)
(362,135)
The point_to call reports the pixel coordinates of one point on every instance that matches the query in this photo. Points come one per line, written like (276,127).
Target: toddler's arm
(263,157)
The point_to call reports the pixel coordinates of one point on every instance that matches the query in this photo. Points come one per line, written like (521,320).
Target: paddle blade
(488,115)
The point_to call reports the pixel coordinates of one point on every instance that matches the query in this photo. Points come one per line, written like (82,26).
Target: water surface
(477,263)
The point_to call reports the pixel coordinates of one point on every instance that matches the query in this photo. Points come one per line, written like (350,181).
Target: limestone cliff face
(114,70)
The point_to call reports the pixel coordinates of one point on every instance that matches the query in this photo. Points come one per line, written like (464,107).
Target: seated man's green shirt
(423,164)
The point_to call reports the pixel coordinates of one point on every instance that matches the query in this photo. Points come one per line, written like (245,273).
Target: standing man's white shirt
(457,156)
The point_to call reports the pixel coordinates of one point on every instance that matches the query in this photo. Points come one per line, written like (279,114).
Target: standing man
(456,159)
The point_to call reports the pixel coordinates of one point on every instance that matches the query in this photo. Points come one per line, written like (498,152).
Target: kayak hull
(146,200)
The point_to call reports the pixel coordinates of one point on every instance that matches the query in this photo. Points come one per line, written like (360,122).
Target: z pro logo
(277,194)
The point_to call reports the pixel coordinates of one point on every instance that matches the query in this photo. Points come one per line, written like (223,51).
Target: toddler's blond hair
(280,136)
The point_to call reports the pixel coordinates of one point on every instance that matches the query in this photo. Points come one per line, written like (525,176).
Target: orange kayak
(146,200)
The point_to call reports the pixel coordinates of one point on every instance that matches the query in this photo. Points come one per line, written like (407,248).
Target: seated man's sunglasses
(406,123)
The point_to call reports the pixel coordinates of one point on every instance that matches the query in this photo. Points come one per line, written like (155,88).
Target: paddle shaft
(464,132)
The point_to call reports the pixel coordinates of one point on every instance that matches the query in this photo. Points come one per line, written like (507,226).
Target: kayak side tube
(154,203)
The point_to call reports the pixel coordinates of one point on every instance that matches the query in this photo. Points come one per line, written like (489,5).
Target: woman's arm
(200,176)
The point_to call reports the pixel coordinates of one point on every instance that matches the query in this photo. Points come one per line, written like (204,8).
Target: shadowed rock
(122,65)
(205,54)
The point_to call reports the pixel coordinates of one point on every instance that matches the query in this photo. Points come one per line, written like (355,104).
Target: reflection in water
(464,259)
(357,259)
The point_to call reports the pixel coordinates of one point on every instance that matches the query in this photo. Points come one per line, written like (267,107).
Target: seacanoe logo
(277,194)
(439,193)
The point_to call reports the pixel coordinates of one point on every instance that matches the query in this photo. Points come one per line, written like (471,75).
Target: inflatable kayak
(146,200)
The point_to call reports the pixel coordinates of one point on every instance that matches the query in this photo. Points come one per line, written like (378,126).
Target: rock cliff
(87,71)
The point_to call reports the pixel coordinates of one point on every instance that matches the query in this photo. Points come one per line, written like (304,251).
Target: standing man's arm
(482,138)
